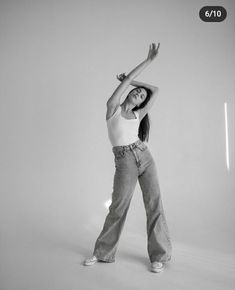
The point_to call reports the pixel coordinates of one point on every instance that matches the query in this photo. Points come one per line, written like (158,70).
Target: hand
(153,51)
(121,77)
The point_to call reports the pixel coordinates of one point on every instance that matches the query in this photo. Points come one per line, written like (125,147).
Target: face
(137,96)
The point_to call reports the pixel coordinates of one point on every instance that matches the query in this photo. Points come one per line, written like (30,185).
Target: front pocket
(119,154)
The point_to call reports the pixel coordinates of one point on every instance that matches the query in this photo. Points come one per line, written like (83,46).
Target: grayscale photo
(117,145)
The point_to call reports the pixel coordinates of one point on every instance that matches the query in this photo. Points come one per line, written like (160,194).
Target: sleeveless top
(122,131)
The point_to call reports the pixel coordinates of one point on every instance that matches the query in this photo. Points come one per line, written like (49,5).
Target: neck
(127,107)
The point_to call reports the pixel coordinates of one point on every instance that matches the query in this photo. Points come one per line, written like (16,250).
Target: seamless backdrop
(59,60)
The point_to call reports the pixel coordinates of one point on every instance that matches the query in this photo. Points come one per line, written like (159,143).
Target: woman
(128,128)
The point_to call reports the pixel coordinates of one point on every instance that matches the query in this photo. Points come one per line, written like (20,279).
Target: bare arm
(134,83)
(155,90)
(115,98)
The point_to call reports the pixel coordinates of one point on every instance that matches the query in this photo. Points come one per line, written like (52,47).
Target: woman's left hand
(121,77)
(153,51)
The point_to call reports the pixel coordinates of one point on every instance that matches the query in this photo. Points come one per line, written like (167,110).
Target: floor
(42,258)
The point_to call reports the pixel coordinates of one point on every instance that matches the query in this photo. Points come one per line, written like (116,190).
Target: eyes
(142,95)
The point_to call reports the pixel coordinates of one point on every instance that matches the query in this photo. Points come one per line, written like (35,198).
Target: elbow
(155,90)
(110,102)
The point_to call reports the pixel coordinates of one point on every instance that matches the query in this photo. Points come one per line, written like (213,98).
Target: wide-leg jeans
(132,162)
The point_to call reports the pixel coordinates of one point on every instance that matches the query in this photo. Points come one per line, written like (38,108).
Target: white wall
(59,60)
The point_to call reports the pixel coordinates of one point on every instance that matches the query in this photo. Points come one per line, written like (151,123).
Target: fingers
(153,50)
(153,44)
(121,76)
(153,47)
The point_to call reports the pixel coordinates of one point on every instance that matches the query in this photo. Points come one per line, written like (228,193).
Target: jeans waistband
(127,147)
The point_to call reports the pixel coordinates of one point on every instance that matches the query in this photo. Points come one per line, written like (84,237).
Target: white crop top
(122,131)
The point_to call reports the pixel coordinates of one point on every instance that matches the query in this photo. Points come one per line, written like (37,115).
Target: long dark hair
(144,126)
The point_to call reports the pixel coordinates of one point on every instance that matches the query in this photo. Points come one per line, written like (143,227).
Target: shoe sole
(90,264)
(157,270)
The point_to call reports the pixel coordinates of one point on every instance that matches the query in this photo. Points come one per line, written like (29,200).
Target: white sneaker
(157,267)
(90,261)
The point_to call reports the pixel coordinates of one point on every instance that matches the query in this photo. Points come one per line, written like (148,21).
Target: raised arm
(138,84)
(114,100)
(155,90)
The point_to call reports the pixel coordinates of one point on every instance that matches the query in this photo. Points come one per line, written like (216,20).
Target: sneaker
(90,261)
(157,267)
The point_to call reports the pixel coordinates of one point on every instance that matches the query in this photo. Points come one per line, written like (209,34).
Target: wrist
(148,60)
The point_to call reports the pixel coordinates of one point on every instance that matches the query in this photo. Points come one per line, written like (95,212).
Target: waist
(127,147)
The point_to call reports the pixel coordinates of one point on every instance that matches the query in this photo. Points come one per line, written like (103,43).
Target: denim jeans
(134,162)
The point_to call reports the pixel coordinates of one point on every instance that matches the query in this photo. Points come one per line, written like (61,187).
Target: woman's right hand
(153,51)
(121,77)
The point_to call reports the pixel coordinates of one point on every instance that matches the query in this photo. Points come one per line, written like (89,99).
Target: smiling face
(137,96)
